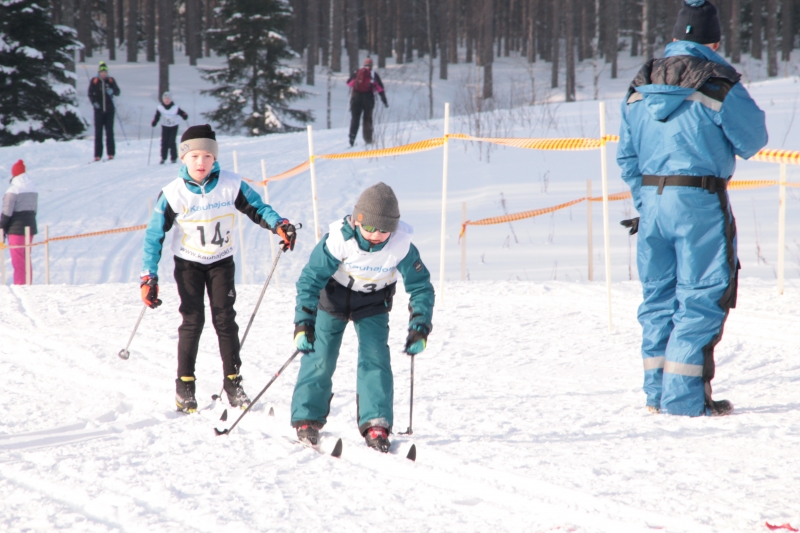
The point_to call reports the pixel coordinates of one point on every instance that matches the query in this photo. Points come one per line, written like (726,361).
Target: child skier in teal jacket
(352,275)
(200,206)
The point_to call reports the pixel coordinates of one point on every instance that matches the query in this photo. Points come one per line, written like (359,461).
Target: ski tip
(412,453)
(224,416)
(271,412)
(337,450)
(124,354)
(218,432)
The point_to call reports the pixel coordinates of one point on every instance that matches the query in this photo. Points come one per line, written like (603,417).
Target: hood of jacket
(665,83)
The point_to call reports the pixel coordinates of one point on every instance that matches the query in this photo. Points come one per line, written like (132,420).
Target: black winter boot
(309,433)
(184,396)
(236,395)
(717,407)
(378,438)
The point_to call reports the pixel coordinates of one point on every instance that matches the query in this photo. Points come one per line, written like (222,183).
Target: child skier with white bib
(170,114)
(201,204)
(352,275)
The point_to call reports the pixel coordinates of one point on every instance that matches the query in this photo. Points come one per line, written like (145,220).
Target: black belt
(710,183)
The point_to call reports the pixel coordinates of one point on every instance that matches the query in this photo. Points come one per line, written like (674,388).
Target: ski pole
(122,128)
(152,129)
(124,353)
(278,373)
(409,431)
(258,303)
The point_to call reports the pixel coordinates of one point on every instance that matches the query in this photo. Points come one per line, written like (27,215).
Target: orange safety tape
(777,156)
(68,237)
(536,212)
(421,146)
(536,144)
(299,169)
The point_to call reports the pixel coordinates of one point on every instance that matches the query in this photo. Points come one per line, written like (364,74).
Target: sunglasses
(373,229)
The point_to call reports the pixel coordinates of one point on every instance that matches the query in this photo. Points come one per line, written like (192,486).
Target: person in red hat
(19,211)
(364,84)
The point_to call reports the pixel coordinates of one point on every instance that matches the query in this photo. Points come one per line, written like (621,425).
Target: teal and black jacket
(316,289)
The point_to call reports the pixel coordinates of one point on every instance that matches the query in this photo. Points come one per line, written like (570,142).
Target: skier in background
(201,204)
(352,275)
(364,83)
(102,90)
(19,211)
(169,126)
(684,120)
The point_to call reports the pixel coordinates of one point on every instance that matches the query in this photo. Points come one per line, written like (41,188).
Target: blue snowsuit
(684,120)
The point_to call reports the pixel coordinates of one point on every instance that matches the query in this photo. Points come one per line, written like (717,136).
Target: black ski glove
(633,224)
(286,231)
(304,337)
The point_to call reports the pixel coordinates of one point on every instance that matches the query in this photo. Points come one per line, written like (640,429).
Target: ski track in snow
(528,417)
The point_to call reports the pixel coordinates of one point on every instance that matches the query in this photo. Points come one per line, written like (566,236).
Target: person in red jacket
(364,84)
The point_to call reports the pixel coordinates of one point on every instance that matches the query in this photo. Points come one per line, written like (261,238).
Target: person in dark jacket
(684,120)
(19,211)
(352,275)
(364,84)
(102,90)
(168,112)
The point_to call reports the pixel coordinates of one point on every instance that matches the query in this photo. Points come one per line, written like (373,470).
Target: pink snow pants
(18,258)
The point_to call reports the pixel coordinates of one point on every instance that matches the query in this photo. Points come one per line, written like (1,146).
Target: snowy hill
(528,415)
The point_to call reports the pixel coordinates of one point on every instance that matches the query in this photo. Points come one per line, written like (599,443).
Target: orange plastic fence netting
(536,212)
(79,236)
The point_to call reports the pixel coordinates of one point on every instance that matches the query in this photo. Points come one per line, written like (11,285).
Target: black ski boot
(236,395)
(378,438)
(717,407)
(184,396)
(308,433)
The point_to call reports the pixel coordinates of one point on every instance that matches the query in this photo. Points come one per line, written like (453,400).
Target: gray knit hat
(377,206)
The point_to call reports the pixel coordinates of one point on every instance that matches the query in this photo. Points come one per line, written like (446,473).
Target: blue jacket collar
(689,48)
(208,184)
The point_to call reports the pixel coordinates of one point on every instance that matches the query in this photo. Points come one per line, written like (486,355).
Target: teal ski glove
(417,339)
(304,337)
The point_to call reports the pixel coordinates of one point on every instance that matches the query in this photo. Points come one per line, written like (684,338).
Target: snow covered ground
(528,415)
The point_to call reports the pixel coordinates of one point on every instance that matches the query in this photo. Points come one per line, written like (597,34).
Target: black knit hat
(698,22)
(198,138)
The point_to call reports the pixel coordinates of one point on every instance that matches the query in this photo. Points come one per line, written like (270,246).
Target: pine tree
(255,89)
(38,101)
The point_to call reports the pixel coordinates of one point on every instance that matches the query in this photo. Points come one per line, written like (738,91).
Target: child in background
(169,126)
(19,211)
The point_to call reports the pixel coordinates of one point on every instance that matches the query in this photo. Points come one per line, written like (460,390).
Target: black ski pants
(168,134)
(104,121)
(194,281)
(361,103)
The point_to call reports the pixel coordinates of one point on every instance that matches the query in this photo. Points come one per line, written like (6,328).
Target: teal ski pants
(374,386)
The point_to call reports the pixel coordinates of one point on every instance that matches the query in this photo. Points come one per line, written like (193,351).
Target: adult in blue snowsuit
(684,120)
(352,275)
